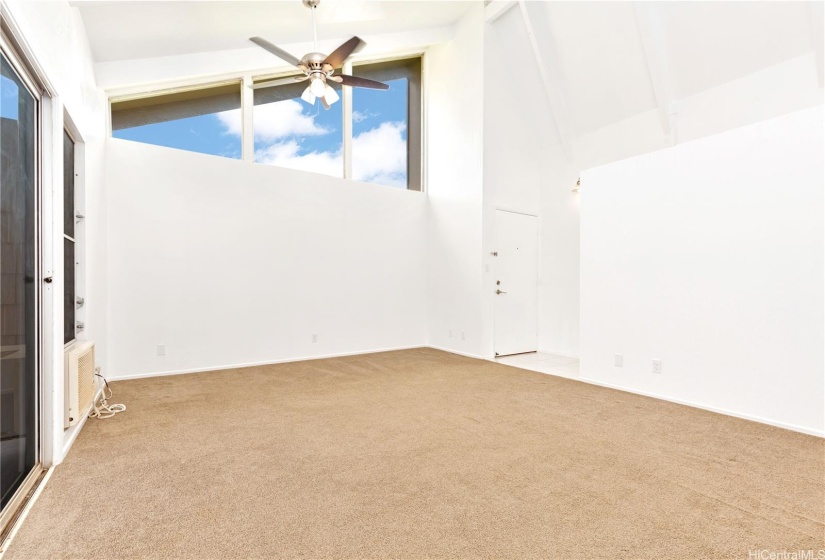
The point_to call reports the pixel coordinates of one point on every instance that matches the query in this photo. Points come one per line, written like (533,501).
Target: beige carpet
(420,454)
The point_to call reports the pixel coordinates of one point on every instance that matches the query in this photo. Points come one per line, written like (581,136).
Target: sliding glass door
(19,390)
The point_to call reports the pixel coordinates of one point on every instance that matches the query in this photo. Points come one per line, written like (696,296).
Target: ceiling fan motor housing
(314,62)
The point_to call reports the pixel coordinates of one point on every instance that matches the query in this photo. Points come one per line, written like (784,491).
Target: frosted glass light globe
(330,96)
(318,87)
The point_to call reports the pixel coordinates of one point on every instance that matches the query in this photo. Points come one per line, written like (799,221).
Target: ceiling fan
(317,67)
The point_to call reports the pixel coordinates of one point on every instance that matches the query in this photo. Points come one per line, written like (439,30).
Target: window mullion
(247,131)
(346,108)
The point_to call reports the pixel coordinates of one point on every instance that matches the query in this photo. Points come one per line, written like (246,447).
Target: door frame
(12,53)
(499,208)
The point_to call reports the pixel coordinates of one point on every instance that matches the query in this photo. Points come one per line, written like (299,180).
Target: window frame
(73,239)
(300,86)
(246,79)
(415,126)
(179,91)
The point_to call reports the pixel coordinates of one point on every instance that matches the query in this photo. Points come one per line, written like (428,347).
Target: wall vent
(80,381)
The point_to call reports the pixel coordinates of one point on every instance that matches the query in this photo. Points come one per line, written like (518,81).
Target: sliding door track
(13,512)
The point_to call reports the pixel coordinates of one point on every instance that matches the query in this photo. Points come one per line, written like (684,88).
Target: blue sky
(295,134)
(8,98)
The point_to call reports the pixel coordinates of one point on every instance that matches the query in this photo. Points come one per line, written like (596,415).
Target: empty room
(367,279)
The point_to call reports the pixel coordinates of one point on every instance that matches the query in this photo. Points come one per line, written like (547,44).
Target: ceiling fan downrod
(312,5)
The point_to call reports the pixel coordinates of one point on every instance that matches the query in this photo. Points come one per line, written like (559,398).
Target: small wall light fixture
(578,186)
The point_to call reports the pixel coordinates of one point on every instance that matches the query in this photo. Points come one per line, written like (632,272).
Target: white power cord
(103,409)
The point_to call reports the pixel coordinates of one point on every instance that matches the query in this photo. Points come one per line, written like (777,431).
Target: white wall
(454,189)
(229,263)
(603,81)
(709,256)
(55,40)
(514,142)
(774,91)
(538,139)
(513,138)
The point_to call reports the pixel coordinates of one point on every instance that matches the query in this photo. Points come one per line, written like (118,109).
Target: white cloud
(358,116)
(286,154)
(379,156)
(275,121)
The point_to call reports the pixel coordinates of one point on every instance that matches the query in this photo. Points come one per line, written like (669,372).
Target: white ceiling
(126,30)
(512,85)
(710,43)
(594,52)
(601,59)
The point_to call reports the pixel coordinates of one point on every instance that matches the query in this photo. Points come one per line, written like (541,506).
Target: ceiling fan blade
(277,51)
(279,82)
(339,55)
(355,81)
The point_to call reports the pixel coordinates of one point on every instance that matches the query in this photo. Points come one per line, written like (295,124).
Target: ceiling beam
(652,33)
(497,8)
(818,36)
(551,77)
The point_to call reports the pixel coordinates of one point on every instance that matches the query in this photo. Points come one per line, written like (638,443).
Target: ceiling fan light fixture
(308,96)
(331,96)
(318,87)
(317,67)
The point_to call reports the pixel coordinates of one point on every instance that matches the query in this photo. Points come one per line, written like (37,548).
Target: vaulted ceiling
(598,63)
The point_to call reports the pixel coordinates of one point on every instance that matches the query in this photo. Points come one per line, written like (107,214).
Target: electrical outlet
(618,360)
(462,335)
(657,366)
(315,338)
(161,349)
(451,333)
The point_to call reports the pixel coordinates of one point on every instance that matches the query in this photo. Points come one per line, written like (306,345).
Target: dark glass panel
(68,291)
(18,397)
(68,185)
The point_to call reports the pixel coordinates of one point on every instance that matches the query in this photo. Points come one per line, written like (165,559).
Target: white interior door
(516,276)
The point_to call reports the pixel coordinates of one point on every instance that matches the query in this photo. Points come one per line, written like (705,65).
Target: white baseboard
(753,418)
(717,410)
(558,353)
(254,364)
(466,354)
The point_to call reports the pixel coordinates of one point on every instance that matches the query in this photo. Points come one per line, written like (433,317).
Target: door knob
(498,292)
